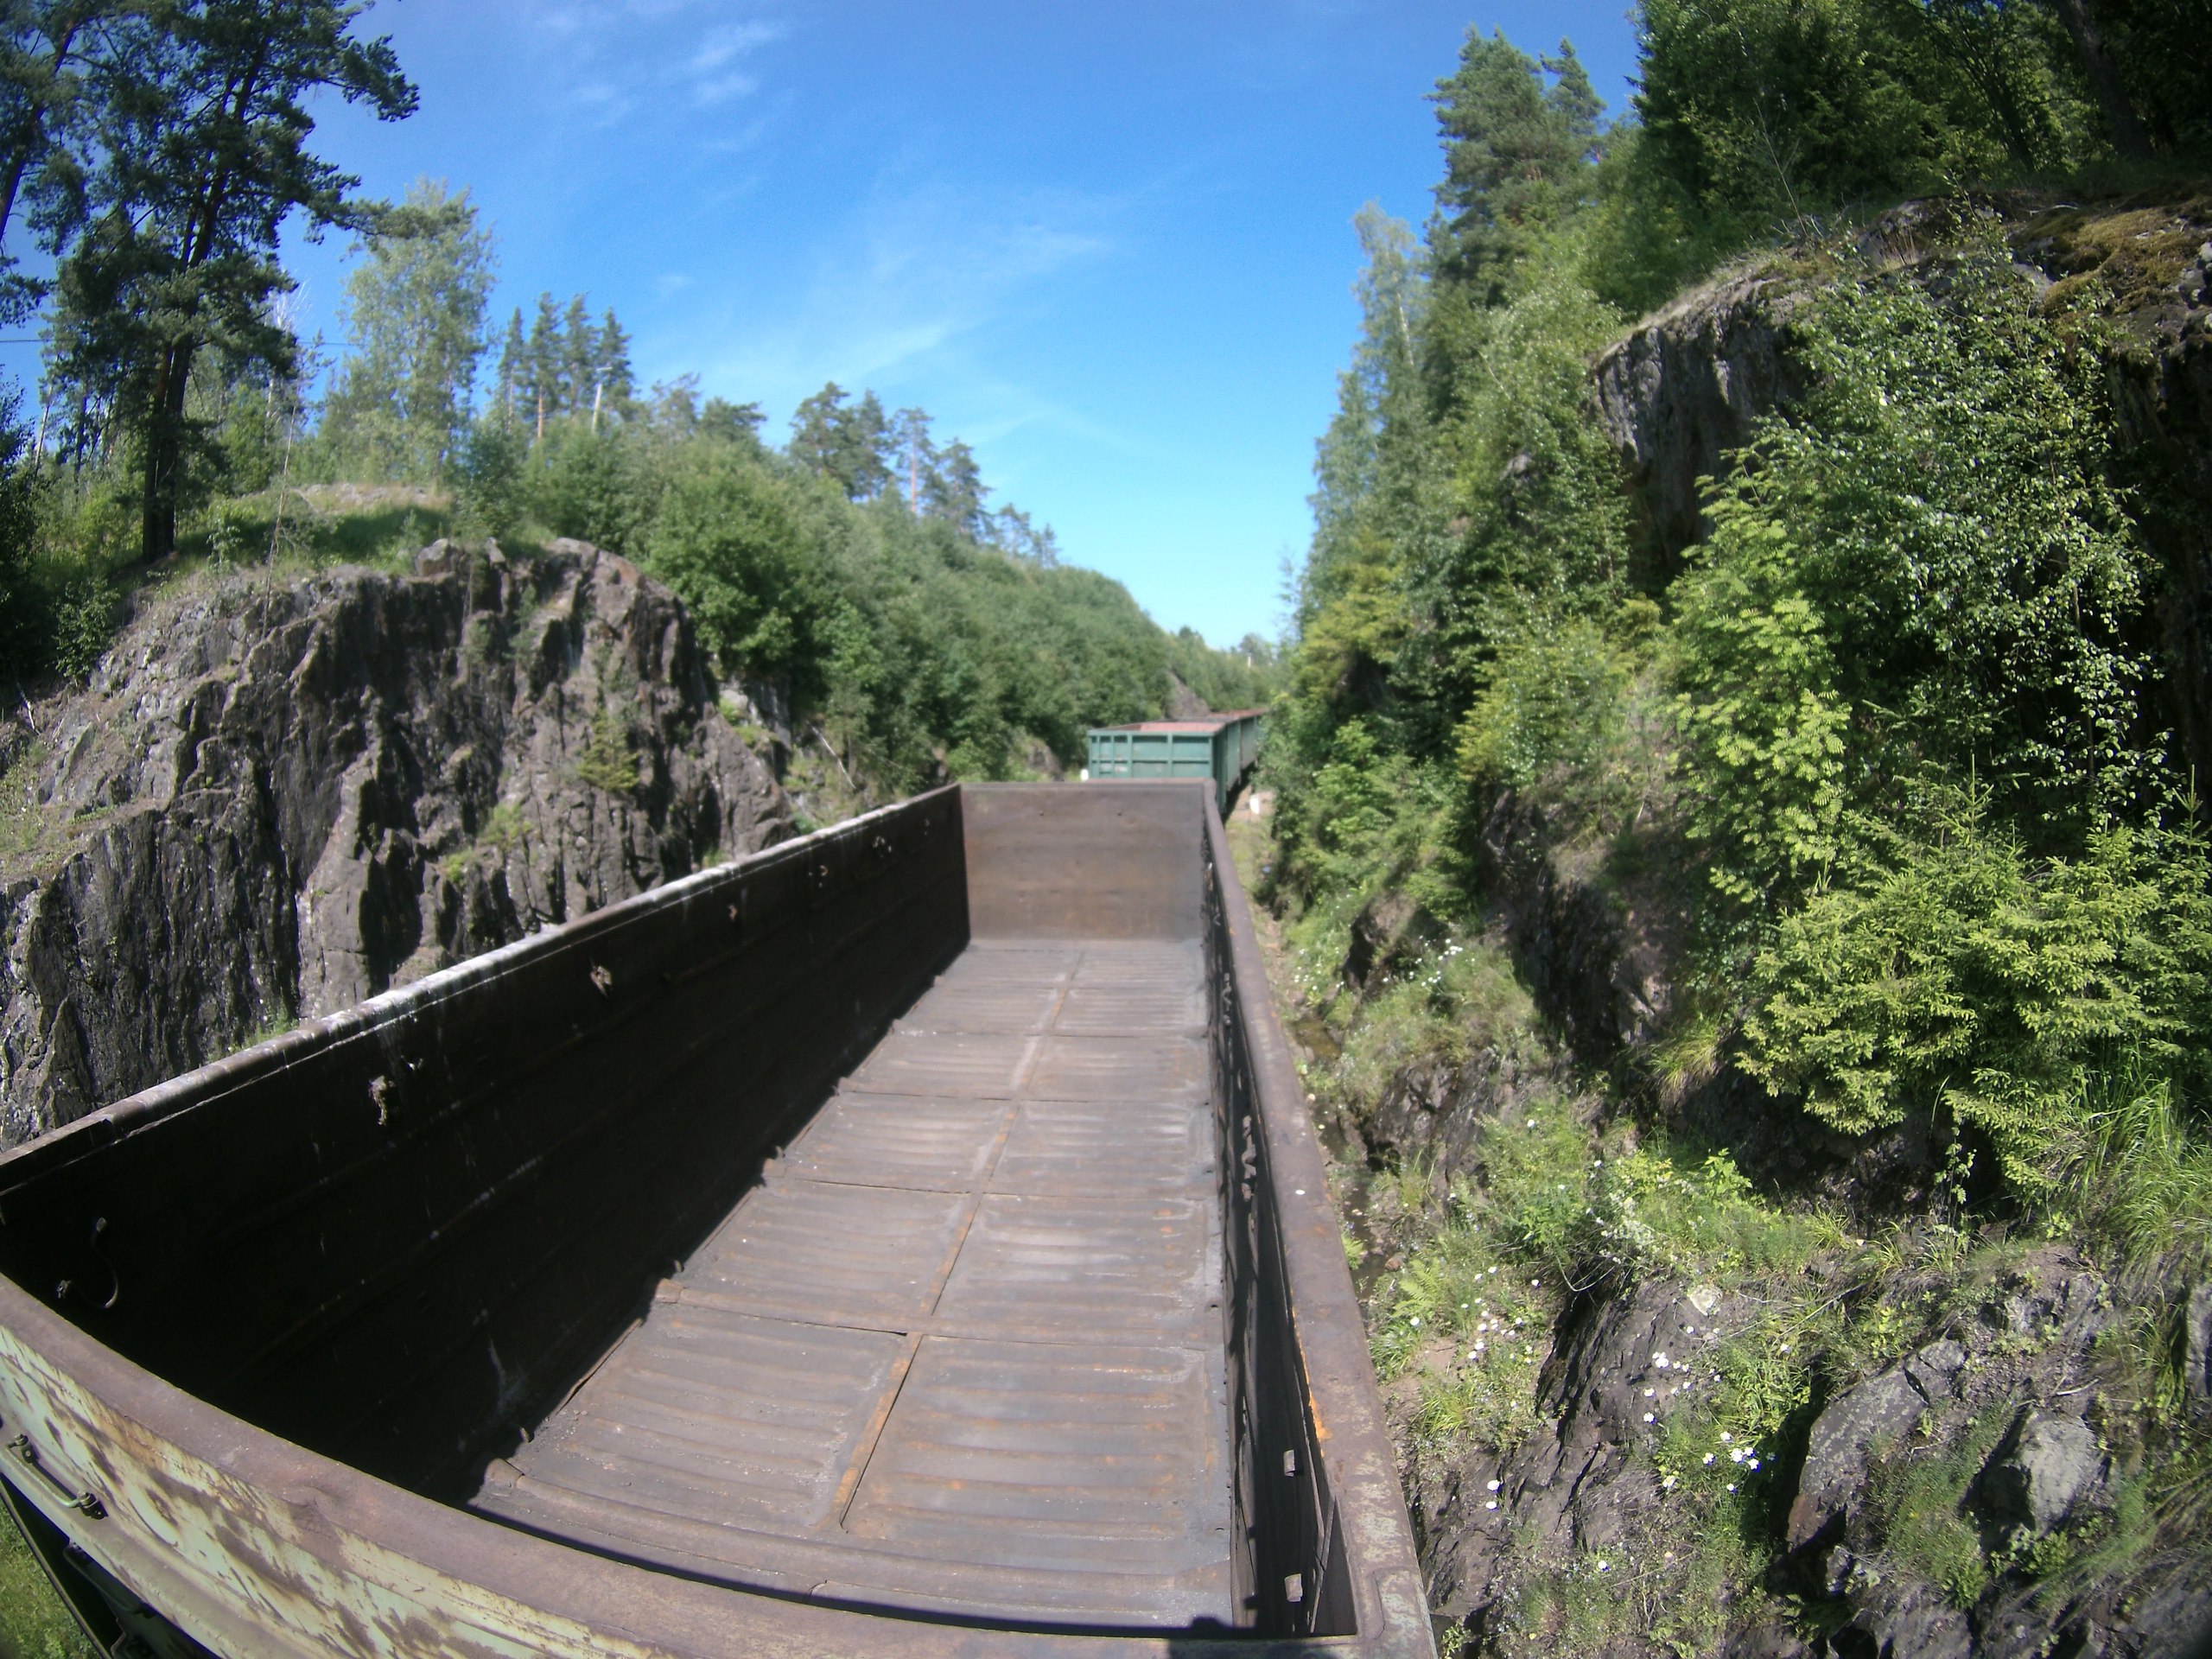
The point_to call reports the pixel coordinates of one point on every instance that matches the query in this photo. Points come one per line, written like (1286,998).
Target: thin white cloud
(621,58)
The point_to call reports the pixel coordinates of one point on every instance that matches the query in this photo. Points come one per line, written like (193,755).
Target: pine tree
(514,364)
(913,455)
(544,384)
(203,133)
(956,491)
(1518,157)
(612,368)
(579,359)
(49,49)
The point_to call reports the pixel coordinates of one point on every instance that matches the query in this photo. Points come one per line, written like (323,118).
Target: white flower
(1726,1437)
(1494,1485)
(1650,1394)
(1604,1567)
(1532,1123)
(1753,1464)
(1736,1454)
(1732,1485)
(1647,1416)
(1491,1505)
(1659,1362)
(1708,1456)
(1414,1320)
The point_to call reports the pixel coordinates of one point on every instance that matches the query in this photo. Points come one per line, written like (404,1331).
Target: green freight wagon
(1219,746)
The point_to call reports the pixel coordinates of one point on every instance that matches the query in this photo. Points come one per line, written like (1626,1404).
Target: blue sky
(1109,245)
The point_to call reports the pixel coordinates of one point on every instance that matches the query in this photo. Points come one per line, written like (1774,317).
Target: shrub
(1964,979)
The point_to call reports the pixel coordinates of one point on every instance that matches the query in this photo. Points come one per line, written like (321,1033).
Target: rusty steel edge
(258,1547)
(1327,1327)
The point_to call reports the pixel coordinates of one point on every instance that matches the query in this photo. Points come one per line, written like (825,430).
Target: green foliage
(2144,1177)
(194,158)
(1917,1499)
(399,408)
(608,761)
(1920,571)
(22,603)
(596,485)
(1555,705)
(84,619)
(1963,978)
(1242,676)
(727,540)
(489,479)
(1516,155)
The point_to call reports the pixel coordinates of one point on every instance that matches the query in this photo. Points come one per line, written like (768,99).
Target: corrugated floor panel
(961,1350)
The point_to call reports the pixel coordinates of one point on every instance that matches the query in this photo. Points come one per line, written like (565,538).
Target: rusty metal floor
(961,1350)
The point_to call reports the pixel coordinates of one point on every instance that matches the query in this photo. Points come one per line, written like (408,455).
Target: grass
(1918,1506)
(33,1624)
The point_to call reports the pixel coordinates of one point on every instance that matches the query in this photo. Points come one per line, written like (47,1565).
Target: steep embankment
(1676,1366)
(276,799)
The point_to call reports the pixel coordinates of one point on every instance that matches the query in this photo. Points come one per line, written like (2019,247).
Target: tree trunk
(2104,81)
(164,453)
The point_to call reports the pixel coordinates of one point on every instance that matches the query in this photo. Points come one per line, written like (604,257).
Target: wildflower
(1732,1485)
(1659,1361)
(1726,1437)
(1647,1416)
(1752,1463)
(1415,1320)
(1708,1456)
(1494,1485)
(1604,1566)
(1532,1123)
(1491,1505)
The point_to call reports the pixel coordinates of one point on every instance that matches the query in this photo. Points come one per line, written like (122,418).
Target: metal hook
(61,1291)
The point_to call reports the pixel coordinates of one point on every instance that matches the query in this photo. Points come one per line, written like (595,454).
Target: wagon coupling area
(910,1239)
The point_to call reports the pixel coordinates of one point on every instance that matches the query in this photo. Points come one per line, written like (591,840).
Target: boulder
(1905,1619)
(1934,1369)
(2049,1463)
(2196,1347)
(1844,1439)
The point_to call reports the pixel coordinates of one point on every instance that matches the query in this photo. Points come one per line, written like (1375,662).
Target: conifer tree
(544,384)
(614,363)
(514,364)
(955,490)
(201,159)
(579,358)
(1519,157)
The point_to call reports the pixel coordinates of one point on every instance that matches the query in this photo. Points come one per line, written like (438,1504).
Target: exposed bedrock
(276,799)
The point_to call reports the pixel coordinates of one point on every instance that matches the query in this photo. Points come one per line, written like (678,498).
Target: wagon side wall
(396,1235)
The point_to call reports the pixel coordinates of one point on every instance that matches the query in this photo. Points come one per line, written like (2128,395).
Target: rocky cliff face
(2011,1385)
(1682,390)
(275,800)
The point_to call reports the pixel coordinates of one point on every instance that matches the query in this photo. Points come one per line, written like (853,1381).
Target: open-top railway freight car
(908,1239)
(1220,747)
